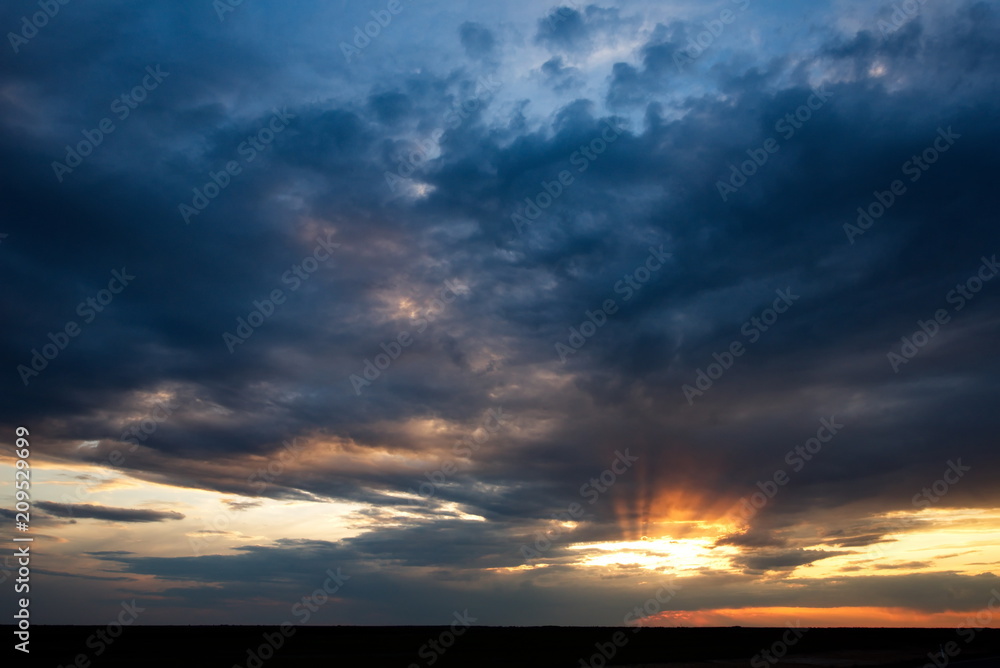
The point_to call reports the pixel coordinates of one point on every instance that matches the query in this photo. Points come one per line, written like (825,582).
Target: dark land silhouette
(510,647)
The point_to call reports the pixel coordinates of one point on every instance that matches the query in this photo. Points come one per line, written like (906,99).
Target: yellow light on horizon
(659,554)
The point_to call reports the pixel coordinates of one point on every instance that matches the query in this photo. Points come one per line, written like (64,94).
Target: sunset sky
(521,309)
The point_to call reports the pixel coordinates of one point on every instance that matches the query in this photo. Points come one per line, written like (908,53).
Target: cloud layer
(568,218)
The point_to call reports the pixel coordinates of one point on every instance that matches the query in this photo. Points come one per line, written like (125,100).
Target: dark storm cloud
(524,164)
(908,564)
(856,541)
(560,76)
(754,539)
(324,177)
(86,510)
(242,505)
(566,29)
(80,576)
(773,560)
(390,107)
(663,60)
(477,40)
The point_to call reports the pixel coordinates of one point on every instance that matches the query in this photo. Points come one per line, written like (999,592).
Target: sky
(535,312)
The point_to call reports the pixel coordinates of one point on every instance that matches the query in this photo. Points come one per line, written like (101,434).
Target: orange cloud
(815,617)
